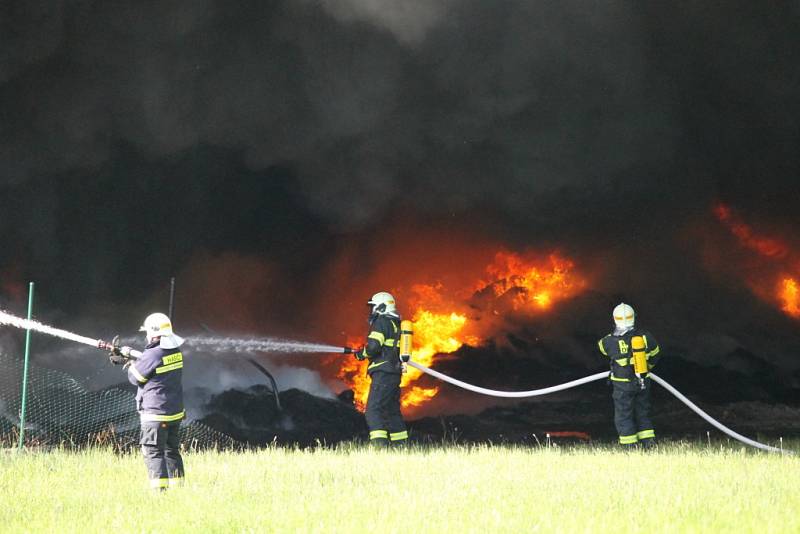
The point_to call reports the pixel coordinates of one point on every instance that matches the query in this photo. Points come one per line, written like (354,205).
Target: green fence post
(25,371)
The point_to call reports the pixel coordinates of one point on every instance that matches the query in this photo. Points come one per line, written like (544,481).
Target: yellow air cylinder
(406,333)
(639,355)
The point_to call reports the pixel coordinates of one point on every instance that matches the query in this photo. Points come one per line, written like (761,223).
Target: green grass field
(679,488)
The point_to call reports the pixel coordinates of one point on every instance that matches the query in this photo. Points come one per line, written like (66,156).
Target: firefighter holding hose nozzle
(384,419)
(159,399)
(632,352)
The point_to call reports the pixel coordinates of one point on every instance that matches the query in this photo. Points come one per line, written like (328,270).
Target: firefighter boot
(379,439)
(399,440)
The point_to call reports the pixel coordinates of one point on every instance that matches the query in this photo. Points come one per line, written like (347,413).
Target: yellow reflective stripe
(627,440)
(389,342)
(377,336)
(137,375)
(159,483)
(379,434)
(167,368)
(622,361)
(172,358)
(376,364)
(163,418)
(645,434)
(397,436)
(602,348)
(615,379)
(654,351)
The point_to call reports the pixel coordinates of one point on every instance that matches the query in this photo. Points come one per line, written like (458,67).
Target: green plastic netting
(62,412)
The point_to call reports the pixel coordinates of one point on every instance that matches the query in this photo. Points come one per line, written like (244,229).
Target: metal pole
(172,299)
(25,371)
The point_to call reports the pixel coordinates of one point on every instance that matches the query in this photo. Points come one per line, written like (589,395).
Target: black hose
(271,379)
(260,368)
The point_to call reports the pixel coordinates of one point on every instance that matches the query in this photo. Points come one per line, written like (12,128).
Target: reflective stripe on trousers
(397,436)
(646,434)
(379,434)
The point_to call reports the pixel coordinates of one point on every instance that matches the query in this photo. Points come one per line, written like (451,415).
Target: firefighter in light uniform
(384,419)
(159,399)
(631,390)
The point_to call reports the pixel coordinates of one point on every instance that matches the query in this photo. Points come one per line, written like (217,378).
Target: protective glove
(114,352)
(359,354)
(119,355)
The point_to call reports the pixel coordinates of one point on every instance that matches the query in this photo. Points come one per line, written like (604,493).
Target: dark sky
(244,146)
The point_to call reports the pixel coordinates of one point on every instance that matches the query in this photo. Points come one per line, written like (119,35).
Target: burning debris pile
(447,317)
(585,414)
(252,416)
(504,319)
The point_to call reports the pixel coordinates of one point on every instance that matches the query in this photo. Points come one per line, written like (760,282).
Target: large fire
(790,296)
(775,257)
(442,316)
(532,284)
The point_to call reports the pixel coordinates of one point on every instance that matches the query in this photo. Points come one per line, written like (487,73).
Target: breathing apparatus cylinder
(639,358)
(406,334)
(639,355)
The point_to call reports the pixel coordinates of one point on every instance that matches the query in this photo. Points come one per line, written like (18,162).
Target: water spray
(28,324)
(216,344)
(264,344)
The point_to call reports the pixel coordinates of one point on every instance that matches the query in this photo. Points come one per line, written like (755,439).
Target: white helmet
(624,317)
(158,325)
(382,303)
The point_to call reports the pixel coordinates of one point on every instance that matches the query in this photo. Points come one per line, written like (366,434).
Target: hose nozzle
(358,352)
(110,346)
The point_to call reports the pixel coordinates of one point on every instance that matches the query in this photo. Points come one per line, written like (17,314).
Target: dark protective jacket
(383,345)
(158,374)
(619,352)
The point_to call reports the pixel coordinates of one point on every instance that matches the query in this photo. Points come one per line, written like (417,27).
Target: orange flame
(765,246)
(433,334)
(531,285)
(441,322)
(354,373)
(774,254)
(790,295)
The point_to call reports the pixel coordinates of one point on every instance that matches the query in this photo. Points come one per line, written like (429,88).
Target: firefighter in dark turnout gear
(631,388)
(384,419)
(159,400)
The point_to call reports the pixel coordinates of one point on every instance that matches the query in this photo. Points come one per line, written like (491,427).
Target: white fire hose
(586,380)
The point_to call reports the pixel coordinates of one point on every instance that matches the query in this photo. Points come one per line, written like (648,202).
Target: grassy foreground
(448,489)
